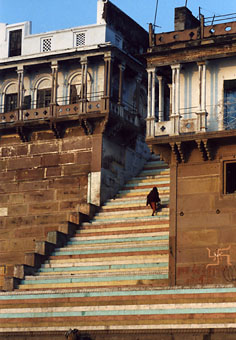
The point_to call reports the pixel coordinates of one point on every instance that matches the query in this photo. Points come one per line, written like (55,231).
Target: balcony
(95,104)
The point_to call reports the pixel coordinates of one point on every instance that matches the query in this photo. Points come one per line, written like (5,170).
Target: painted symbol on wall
(218,255)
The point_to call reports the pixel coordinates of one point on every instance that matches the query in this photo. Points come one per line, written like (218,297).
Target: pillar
(175,113)
(138,85)
(108,66)
(170,108)
(161,99)
(54,67)
(201,113)
(151,102)
(20,89)
(121,77)
(108,59)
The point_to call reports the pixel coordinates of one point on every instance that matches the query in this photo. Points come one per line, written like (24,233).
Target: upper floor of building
(79,72)
(192,76)
(112,27)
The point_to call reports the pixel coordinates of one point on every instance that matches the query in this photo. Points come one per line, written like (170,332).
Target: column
(54,67)
(151,102)
(20,90)
(153,92)
(201,114)
(161,99)
(170,108)
(149,94)
(173,91)
(175,115)
(138,84)
(121,76)
(84,71)
(108,66)
(108,59)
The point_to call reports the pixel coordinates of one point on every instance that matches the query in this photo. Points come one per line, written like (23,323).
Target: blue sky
(49,15)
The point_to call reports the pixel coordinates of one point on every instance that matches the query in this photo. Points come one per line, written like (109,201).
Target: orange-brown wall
(42,182)
(203,218)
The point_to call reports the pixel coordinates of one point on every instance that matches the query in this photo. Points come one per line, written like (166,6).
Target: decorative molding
(205,149)
(58,129)
(23,133)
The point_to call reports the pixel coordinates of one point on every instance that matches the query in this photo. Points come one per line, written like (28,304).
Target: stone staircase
(111,279)
(122,246)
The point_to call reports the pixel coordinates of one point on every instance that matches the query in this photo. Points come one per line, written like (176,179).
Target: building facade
(72,121)
(191,123)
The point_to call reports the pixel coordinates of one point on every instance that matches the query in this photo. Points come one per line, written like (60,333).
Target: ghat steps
(123,246)
(113,275)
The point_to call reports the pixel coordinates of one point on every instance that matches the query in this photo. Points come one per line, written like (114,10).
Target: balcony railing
(186,123)
(93,104)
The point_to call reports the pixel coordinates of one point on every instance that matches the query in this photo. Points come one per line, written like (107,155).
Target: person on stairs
(154,200)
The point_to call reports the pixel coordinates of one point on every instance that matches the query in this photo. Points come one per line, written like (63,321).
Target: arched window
(10,98)
(75,88)
(44,93)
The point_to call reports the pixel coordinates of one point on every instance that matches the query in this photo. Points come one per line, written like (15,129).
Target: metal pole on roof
(186,3)
(155,17)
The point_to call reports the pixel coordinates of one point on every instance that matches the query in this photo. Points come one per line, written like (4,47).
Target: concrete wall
(205,219)
(42,184)
(119,163)
(216,72)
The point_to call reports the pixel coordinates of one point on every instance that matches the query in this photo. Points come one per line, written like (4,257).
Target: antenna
(199,12)
(154,25)
(186,3)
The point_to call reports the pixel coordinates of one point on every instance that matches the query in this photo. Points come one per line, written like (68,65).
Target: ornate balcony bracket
(179,152)
(24,133)
(205,149)
(88,127)
(58,129)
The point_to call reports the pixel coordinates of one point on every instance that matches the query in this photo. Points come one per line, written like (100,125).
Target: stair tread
(122,246)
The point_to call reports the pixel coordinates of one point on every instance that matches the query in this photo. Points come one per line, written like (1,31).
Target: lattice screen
(47,45)
(80,39)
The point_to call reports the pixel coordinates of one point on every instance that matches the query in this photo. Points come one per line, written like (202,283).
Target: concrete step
(70,282)
(112,260)
(123,246)
(101,268)
(160,217)
(83,239)
(128,213)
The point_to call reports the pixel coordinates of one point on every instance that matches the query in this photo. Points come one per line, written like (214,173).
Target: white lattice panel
(80,39)
(47,44)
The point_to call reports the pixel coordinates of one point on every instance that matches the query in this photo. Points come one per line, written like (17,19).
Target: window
(10,102)
(229,177)
(43,98)
(27,102)
(74,97)
(80,39)
(46,44)
(15,43)
(230,104)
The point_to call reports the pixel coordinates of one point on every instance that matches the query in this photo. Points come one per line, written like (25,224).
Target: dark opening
(43,98)
(10,102)
(230,174)
(27,102)
(74,98)
(15,43)
(230,104)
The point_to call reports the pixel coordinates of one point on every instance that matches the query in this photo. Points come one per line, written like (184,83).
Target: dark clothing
(153,199)
(153,196)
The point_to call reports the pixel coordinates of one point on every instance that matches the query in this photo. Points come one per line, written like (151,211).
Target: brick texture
(41,183)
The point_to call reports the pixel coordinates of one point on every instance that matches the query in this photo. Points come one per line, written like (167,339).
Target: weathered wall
(119,163)
(42,182)
(205,220)
(207,334)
